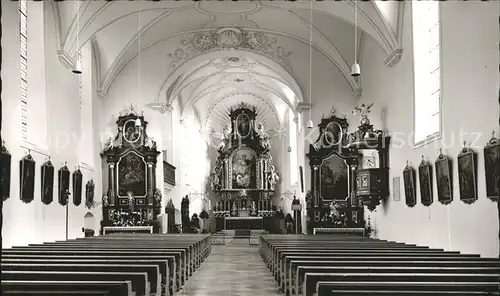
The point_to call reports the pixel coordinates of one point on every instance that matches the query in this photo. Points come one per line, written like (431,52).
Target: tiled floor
(235,269)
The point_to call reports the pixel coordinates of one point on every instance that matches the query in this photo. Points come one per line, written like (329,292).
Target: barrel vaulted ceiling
(218,54)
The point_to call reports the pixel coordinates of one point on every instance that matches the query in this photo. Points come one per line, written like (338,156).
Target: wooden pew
(280,265)
(312,274)
(350,254)
(166,265)
(311,279)
(139,281)
(162,265)
(294,279)
(198,248)
(411,288)
(101,251)
(107,247)
(152,271)
(65,287)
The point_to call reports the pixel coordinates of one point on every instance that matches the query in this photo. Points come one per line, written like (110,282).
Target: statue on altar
(273,176)
(131,201)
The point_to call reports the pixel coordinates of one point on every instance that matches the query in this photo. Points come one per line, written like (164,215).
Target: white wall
(470,84)
(35,222)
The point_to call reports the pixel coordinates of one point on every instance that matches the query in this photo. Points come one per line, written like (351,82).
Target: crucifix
(363,110)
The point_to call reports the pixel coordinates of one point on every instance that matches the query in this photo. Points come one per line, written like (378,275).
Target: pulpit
(131,199)
(244,176)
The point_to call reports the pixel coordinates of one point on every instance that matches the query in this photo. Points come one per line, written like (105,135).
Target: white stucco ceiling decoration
(230,38)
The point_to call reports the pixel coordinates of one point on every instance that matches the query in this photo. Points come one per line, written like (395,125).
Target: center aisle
(234,269)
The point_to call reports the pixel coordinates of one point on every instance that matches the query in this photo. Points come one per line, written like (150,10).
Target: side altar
(131,199)
(244,176)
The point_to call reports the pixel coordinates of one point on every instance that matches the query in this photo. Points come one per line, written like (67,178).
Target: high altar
(131,199)
(244,176)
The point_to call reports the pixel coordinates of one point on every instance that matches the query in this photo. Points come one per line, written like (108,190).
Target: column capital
(302,106)
(160,107)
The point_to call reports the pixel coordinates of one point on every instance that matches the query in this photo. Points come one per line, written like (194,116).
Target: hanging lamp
(355,69)
(310,123)
(138,122)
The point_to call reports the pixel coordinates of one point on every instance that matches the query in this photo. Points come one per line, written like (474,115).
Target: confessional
(131,198)
(348,172)
(244,176)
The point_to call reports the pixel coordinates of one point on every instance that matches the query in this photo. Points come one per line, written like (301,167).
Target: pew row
(337,265)
(167,260)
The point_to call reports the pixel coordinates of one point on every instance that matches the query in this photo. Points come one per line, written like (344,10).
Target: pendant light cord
(78,30)
(310,58)
(355,31)
(139,61)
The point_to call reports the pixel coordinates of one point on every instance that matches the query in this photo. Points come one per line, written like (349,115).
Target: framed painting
(63,176)
(444,178)
(425,179)
(409,184)
(243,125)
(77,187)
(131,175)
(5,172)
(89,194)
(27,178)
(243,169)
(396,188)
(334,183)
(467,175)
(47,182)
(492,168)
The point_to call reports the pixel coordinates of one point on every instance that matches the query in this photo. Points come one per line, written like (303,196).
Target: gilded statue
(105,201)
(273,176)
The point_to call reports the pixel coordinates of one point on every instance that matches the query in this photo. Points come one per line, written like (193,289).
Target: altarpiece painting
(492,168)
(334,178)
(244,166)
(132,175)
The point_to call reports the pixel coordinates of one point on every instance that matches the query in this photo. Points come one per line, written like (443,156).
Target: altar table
(132,229)
(233,223)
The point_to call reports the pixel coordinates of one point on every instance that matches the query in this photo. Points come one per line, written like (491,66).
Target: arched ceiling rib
(275,35)
(180,17)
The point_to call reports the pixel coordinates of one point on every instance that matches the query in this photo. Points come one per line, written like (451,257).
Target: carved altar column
(226,175)
(150,183)
(315,191)
(111,183)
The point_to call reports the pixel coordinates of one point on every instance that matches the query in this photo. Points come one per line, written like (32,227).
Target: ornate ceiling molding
(227,39)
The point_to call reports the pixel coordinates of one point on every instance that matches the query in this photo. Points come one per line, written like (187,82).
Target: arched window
(23,63)
(33,103)
(427,71)
(292,136)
